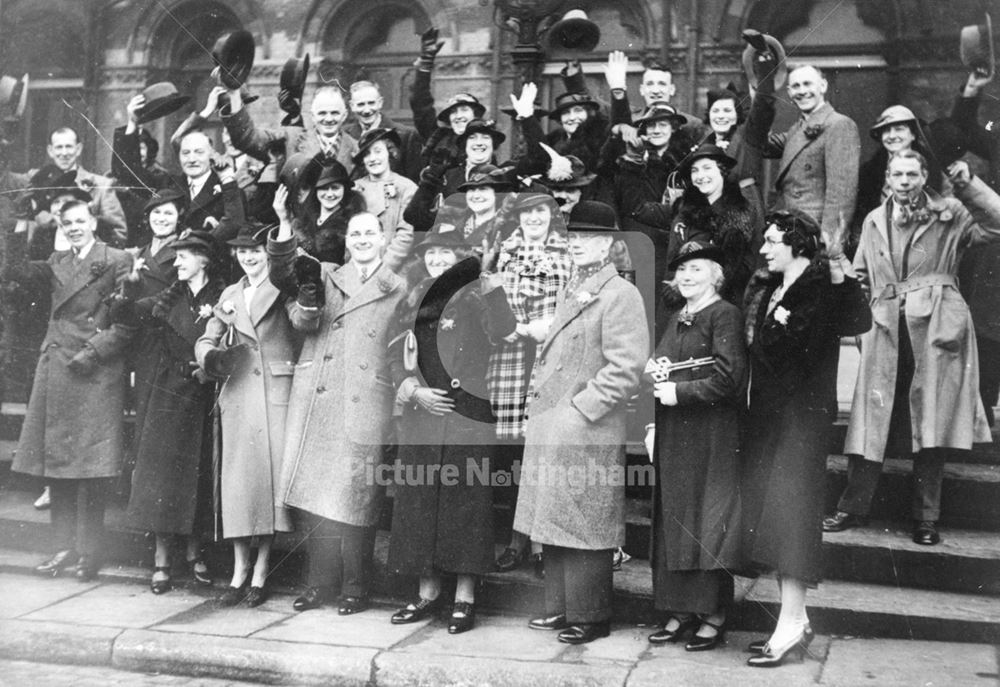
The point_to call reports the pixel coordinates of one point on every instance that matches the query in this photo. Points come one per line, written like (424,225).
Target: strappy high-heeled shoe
(772,658)
(758,646)
(665,636)
(161,586)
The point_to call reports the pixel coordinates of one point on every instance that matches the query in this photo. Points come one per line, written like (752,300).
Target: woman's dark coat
(436,526)
(696,501)
(793,402)
(172,480)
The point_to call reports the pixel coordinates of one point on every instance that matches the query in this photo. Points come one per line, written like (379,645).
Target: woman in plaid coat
(535,265)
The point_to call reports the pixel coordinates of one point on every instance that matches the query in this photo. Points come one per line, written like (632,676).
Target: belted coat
(73,428)
(945,407)
(340,409)
(572,489)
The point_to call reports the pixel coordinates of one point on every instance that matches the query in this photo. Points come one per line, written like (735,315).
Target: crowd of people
(319,301)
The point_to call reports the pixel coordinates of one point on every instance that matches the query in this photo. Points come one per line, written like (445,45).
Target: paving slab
(626,643)
(209,619)
(117,605)
(252,660)
(323,626)
(56,642)
(400,669)
(493,637)
(22,595)
(908,663)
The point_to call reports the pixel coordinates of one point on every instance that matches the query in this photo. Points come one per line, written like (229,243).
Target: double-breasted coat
(445,522)
(945,407)
(253,403)
(73,426)
(818,172)
(388,208)
(572,490)
(341,404)
(172,481)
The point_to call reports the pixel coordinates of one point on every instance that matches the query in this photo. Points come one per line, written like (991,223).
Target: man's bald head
(329,110)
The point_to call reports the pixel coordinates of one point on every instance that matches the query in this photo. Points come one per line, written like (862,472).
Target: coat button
(537,394)
(328,357)
(337,325)
(363,366)
(808,167)
(321,390)
(256,371)
(371,333)
(558,367)
(456,383)
(355,399)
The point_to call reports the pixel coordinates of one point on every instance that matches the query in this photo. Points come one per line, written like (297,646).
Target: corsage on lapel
(384,285)
(584,297)
(813,131)
(97,269)
(216,190)
(204,312)
(781,315)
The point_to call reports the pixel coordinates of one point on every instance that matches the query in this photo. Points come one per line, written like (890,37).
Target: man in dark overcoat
(72,433)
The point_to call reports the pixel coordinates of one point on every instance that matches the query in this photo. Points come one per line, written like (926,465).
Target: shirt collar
(85,251)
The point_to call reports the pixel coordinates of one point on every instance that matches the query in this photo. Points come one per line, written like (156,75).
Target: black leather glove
(308,270)
(220,363)
(85,362)
(292,106)
(310,295)
(430,46)
(25,207)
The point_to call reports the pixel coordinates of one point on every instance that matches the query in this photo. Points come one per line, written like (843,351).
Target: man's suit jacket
(409,162)
(818,174)
(254,140)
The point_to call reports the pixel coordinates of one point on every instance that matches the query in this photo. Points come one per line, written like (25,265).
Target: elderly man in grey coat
(572,495)
(820,154)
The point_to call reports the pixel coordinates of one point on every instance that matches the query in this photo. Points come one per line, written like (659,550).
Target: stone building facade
(86,58)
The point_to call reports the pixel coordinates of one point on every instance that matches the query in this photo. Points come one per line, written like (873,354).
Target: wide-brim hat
(488,175)
(708,151)
(250,235)
(164,196)
(233,53)
(757,41)
(481,126)
(896,114)
(52,183)
(198,241)
(976,46)
(530,200)
(581,177)
(568,100)
(697,250)
(661,112)
(369,137)
(162,99)
(334,173)
(592,216)
(294,75)
(13,96)
(442,239)
(459,99)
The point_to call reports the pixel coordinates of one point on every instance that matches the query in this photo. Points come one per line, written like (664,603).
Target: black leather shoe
(414,612)
(60,561)
(840,521)
(463,618)
(349,605)
(552,622)
(665,636)
(232,596)
(926,533)
(699,643)
(200,572)
(256,596)
(161,586)
(510,559)
(538,565)
(759,646)
(585,632)
(313,597)
(86,569)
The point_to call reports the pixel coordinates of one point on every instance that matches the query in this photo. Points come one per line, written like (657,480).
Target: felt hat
(709,151)
(233,53)
(756,70)
(488,175)
(368,139)
(697,250)
(568,100)
(581,177)
(443,239)
(976,46)
(334,173)
(50,182)
(592,216)
(162,99)
(457,100)
(166,195)
(481,126)
(251,234)
(199,241)
(661,112)
(294,75)
(896,114)
(530,200)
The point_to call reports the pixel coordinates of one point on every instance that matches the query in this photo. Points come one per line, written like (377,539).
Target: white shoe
(44,501)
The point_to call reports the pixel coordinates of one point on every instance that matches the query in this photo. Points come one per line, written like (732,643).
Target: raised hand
(280,203)
(616,70)
(959,174)
(524,106)
(430,46)
(133,107)
(212,101)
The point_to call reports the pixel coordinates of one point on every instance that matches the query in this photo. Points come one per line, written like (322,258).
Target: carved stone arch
(329,22)
(780,18)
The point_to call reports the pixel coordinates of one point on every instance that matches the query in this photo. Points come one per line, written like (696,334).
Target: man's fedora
(162,99)
(294,75)
(756,70)
(976,47)
(591,216)
(233,53)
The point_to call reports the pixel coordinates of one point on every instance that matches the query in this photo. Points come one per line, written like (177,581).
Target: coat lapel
(378,286)
(242,320)
(571,307)
(76,277)
(265,297)
(797,139)
(206,194)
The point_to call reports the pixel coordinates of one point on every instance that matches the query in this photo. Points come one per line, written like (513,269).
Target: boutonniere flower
(584,297)
(227,307)
(87,184)
(98,268)
(781,315)
(813,131)
(945,215)
(204,312)
(216,190)
(390,189)
(384,285)
(447,324)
